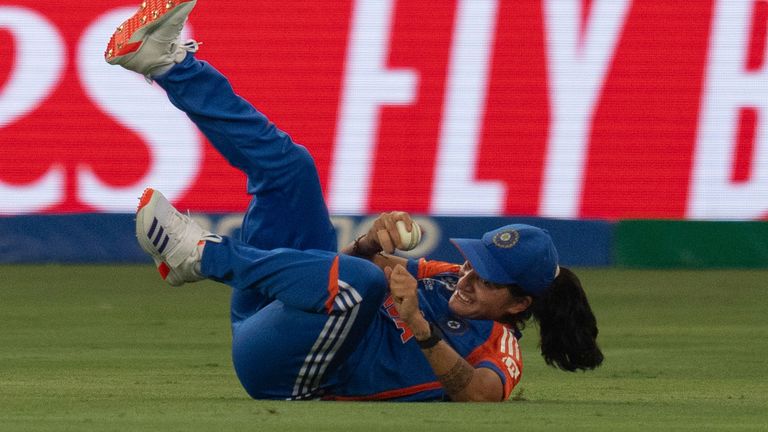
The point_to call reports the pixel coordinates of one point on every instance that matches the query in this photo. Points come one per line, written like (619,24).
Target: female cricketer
(309,322)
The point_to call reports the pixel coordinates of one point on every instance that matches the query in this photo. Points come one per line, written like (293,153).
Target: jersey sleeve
(500,353)
(422,268)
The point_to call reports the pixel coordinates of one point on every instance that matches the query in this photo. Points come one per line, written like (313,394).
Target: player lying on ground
(308,322)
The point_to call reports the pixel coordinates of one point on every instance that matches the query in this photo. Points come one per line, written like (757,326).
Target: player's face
(476,298)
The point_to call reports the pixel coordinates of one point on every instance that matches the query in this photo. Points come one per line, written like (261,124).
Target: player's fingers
(385,241)
(397,281)
(405,282)
(400,271)
(376,226)
(388,221)
(395,273)
(390,224)
(405,217)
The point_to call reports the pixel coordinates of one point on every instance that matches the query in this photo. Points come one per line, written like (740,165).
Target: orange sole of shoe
(145,197)
(125,39)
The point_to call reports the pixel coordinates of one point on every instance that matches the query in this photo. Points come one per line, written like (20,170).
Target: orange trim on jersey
(333,284)
(431,268)
(502,350)
(389,394)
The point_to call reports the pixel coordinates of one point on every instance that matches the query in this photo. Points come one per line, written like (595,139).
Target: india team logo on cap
(506,239)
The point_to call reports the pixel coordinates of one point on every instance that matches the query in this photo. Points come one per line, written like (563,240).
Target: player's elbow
(485,386)
(478,396)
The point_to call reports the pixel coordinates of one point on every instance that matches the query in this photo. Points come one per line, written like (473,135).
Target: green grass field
(103,348)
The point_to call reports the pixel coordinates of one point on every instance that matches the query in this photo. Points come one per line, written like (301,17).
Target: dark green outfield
(87,348)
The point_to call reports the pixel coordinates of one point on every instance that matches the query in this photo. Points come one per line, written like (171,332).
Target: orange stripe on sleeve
(501,349)
(333,284)
(431,268)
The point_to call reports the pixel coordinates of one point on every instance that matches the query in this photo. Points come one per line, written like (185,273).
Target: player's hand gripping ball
(408,240)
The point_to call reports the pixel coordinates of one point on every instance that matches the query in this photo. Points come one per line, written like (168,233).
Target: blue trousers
(298,309)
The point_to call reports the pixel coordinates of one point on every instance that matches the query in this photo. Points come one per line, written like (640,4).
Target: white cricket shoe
(174,240)
(148,42)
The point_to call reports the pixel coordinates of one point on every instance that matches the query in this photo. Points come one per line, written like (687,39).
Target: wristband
(435,336)
(357,250)
(356,246)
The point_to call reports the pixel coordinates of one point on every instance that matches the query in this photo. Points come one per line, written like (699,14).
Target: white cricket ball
(408,240)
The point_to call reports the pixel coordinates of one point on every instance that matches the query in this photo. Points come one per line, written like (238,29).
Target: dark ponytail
(567,325)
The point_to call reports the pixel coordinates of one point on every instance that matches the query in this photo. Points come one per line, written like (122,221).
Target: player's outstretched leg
(173,239)
(315,281)
(288,209)
(148,42)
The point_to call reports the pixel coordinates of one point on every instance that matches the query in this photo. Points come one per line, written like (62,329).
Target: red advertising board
(564,108)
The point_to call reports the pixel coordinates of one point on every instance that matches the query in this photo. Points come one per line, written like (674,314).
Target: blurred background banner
(637,243)
(597,109)
(111,238)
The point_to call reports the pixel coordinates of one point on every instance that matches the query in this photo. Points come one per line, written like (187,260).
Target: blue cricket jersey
(389,365)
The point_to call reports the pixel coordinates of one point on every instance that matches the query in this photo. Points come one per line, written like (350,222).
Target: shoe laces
(191,45)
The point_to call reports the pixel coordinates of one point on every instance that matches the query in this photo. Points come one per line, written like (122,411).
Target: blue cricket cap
(517,254)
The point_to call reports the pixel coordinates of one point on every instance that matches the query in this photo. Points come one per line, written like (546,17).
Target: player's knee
(303,160)
(377,285)
(365,278)
(301,170)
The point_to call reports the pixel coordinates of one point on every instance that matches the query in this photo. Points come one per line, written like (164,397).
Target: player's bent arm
(384,260)
(383,236)
(461,381)
(365,247)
